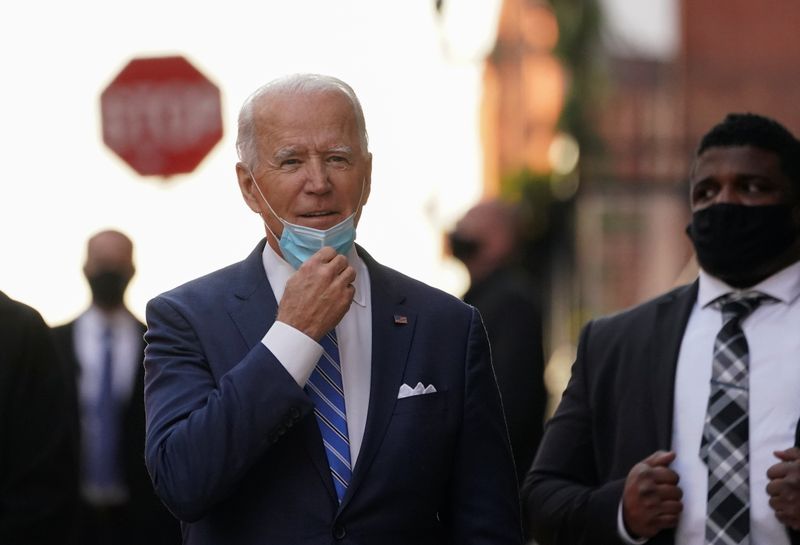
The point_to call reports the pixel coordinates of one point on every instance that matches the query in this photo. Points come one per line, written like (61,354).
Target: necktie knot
(739,305)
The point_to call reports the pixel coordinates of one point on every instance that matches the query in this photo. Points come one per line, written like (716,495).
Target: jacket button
(339,532)
(294,412)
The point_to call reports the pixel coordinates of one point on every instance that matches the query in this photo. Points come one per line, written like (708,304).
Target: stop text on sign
(161,115)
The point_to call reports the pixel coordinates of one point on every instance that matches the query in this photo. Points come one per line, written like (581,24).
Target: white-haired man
(309,394)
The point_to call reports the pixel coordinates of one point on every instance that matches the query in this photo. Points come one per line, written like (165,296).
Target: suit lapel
(393,326)
(251,307)
(672,315)
(252,304)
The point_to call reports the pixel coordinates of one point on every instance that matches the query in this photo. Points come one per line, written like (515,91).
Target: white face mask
(298,242)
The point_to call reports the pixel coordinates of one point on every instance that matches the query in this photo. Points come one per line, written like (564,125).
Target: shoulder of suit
(413,290)
(642,311)
(14,310)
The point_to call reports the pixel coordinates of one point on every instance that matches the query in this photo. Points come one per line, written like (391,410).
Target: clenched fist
(651,500)
(784,487)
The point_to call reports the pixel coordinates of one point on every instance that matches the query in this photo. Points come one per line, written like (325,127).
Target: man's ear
(367,180)
(246,185)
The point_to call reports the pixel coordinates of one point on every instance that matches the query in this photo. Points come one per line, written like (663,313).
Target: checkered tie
(324,386)
(724,446)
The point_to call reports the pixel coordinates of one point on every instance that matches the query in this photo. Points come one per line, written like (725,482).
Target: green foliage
(578,46)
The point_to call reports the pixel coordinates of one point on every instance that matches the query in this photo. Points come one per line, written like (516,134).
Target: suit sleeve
(565,502)
(484,500)
(204,434)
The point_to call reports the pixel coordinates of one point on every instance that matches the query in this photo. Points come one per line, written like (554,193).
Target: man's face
(311,166)
(747,237)
(109,251)
(108,268)
(739,175)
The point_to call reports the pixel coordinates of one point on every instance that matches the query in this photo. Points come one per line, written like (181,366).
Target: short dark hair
(748,129)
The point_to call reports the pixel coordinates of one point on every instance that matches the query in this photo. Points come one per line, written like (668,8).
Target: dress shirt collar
(784,286)
(278,273)
(99,319)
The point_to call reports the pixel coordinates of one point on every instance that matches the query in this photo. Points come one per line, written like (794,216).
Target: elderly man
(678,423)
(309,394)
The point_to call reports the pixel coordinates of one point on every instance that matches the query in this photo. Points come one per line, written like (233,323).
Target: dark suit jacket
(616,410)
(235,451)
(509,304)
(143,519)
(38,466)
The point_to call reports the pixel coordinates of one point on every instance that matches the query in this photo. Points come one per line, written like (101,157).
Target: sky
(418,76)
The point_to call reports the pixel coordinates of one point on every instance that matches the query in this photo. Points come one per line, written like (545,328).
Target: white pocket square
(419,389)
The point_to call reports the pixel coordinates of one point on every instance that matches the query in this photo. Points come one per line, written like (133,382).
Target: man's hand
(651,500)
(784,487)
(318,295)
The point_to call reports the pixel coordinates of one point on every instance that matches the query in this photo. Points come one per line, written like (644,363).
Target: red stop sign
(161,115)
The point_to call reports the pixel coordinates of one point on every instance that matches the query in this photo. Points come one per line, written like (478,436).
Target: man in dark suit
(675,428)
(485,239)
(309,394)
(38,465)
(104,348)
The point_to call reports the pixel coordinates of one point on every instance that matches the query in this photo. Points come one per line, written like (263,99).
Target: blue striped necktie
(324,386)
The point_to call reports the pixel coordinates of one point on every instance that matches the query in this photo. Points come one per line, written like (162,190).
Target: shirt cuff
(623,533)
(296,351)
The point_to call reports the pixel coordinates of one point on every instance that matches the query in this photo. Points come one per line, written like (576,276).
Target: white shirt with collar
(126,350)
(774,349)
(127,356)
(299,353)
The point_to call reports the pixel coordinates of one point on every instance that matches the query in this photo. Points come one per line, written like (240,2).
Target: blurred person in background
(309,394)
(679,423)
(104,350)
(486,240)
(38,459)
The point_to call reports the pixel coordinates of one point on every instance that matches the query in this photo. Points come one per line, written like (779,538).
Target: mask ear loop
(263,198)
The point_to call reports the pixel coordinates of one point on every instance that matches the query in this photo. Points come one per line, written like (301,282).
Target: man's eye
(756,187)
(337,159)
(703,193)
(290,162)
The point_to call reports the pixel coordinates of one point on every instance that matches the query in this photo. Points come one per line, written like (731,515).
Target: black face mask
(734,241)
(463,248)
(108,288)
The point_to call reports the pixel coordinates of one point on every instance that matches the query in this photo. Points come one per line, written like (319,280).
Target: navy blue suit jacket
(234,451)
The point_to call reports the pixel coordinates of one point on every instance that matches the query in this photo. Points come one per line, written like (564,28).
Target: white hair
(292,84)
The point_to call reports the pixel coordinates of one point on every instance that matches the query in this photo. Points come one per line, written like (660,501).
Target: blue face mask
(298,242)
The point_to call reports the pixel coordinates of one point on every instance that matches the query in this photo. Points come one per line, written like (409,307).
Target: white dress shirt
(774,410)
(774,349)
(299,353)
(126,358)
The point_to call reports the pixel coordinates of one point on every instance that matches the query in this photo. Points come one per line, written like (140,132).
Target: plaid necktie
(324,386)
(724,446)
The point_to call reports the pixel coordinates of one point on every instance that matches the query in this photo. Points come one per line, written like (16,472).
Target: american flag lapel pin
(399,319)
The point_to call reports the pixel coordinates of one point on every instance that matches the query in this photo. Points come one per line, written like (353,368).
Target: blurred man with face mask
(680,421)
(104,348)
(486,240)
